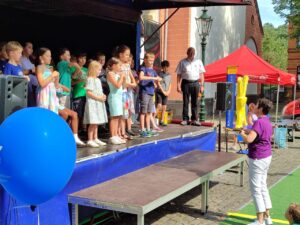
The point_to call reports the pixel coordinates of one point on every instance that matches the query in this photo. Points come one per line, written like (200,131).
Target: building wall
(227,34)
(232,27)
(293,59)
(176,42)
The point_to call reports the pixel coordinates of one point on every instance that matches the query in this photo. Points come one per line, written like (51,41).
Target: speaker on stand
(224,97)
(13,95)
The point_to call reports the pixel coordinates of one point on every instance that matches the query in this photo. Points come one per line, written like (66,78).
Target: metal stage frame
(146,189)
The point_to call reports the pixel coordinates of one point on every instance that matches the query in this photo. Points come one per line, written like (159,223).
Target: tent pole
(294,109)
(277,101)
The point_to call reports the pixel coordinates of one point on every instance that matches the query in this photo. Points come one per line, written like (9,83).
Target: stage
(172,131)
(97,165)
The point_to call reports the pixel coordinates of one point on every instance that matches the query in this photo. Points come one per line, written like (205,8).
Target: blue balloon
(37,155)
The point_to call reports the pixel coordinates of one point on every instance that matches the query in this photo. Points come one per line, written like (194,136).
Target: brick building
(233,26)
(294,59)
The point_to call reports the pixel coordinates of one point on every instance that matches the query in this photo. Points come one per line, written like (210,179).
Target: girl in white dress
(95,111)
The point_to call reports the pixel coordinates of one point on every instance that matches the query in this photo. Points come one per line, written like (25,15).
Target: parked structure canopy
(248,63)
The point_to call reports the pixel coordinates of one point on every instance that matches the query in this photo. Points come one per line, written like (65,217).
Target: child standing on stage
(293,214)
(163,90)
(79,92)
(48,86)
(95,111)
(123,54)
(66,69)
(14,53)
(115,80)
(147,76)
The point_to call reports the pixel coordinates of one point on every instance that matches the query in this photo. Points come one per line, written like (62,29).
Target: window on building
(298,42)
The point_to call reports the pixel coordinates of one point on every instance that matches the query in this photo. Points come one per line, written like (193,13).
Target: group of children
(88,97)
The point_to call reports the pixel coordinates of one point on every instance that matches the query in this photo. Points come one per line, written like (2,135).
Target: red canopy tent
(248,63)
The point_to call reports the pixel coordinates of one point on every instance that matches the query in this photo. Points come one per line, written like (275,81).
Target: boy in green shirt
(66,70)
(79,91)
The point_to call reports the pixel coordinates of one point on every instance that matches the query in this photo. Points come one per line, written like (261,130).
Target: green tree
(289,9)
(275,45)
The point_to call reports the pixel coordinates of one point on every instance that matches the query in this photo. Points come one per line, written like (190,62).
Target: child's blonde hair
(13,46)
(149,54)
(293,213)
(94,68)
(112,61)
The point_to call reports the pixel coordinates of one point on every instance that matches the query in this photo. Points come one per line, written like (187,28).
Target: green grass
(282,194)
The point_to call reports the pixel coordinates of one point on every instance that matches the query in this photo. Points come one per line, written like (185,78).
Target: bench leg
(140,220)
(75,214)
(205,186)
(241,172)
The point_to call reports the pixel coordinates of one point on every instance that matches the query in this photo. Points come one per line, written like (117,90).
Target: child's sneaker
(92,144)
(123,141)
(268,221)
(79,142)
(130,132)
(115,140)
(144,134)
(158,129)
(152,133)
(257,223)
(101,143)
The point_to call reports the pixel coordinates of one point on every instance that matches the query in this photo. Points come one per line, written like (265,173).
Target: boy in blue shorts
(147,77)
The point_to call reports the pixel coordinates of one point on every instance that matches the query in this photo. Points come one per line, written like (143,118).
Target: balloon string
(38,215)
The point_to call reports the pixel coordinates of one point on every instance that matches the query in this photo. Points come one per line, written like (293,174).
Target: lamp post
(204,23)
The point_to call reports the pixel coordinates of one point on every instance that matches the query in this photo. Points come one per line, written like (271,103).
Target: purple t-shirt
(261,147)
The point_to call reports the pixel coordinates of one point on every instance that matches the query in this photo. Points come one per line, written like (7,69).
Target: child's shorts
(146,103)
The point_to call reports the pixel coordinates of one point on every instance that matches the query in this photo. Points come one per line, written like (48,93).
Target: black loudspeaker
(13,95)
(224,96)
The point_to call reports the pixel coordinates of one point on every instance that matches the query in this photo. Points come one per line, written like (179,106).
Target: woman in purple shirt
(260,155)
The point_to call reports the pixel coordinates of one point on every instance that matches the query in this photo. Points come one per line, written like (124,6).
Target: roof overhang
(107,9)
(161,4)
(117,10)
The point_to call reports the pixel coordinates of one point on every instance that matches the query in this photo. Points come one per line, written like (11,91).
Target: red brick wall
(178,42)
(293,57)
(254,28)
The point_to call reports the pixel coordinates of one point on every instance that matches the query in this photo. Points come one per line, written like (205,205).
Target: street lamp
(204,23)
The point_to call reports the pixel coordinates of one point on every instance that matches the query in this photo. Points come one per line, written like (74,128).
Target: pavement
(225,194)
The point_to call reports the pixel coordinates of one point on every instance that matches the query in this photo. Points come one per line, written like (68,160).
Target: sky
(267,13)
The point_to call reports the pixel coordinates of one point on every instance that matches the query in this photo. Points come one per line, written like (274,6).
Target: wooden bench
(146,189)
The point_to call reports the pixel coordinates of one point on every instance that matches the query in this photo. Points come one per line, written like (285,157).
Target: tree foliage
(289,9)
(275,45)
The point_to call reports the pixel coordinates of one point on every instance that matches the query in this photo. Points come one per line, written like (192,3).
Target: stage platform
(144,190)
(97,165)
(172,131)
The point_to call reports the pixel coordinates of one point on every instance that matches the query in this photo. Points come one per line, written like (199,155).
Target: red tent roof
(248,63)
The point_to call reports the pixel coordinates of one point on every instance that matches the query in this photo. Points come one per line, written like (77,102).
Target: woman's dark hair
(119,49)
(265,104)
(293,212)
(40,52)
